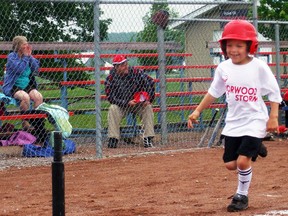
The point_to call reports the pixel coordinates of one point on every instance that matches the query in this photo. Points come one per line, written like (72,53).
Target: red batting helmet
(119,59)
(239,30)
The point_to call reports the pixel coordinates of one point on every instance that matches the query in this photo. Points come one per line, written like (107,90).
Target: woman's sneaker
(239,203)
(112,143)
(148,142)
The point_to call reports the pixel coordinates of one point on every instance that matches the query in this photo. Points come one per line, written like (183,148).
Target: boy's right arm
(207,100)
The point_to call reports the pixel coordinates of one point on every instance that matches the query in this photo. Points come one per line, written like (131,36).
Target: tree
(273,10)
(50,21)
(149,33)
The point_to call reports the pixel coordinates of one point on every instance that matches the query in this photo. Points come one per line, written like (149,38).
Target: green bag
(59,117)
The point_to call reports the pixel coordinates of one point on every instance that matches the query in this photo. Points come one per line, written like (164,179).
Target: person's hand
(193,119)
(132,102)
(27,50)
(272,125)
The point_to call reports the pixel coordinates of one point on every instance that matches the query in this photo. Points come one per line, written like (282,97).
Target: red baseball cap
(141,96)
(119,59)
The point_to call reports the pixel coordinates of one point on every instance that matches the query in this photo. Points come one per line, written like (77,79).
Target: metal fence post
(97,61)
(162,77)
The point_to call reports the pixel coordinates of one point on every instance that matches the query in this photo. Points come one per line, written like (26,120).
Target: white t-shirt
(245,85)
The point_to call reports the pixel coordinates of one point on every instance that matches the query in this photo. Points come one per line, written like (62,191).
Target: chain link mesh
(73,58)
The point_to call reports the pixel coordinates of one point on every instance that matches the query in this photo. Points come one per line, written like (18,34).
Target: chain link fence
(75,42)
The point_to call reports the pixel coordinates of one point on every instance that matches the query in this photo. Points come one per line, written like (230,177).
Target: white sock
(244,180)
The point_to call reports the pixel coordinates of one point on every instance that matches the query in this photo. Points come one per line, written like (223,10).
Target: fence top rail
(84,46)
(144,2)
(264,44)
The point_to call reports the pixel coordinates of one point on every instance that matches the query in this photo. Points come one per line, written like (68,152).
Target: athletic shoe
(112,143)
(148,142)
(239,203)
(269,137)
(263,151)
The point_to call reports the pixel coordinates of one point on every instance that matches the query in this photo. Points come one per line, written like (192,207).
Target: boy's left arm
(272,123)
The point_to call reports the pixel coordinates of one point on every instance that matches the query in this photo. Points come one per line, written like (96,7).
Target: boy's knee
(231,165)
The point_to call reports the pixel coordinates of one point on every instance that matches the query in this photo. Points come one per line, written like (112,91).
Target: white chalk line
(274,213)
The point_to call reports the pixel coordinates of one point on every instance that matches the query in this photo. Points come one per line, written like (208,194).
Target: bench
(64,84)
(35,117)
(15,115)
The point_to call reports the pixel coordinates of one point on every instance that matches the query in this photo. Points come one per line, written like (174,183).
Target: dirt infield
(188,182)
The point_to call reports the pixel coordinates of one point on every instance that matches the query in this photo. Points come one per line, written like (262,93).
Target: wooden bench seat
(22,116)
(31,114)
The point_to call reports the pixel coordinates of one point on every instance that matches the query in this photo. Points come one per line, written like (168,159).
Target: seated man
(129,91)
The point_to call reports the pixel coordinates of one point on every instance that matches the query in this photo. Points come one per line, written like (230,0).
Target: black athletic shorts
(29,88)
(245,145)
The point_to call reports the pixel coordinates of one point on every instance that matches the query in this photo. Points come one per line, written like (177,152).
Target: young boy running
(245,80)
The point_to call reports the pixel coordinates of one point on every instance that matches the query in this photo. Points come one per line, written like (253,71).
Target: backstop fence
(76,40)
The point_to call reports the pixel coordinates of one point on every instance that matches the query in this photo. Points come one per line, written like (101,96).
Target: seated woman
(19,80)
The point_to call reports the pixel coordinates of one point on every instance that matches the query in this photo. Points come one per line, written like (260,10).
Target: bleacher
(188,96)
